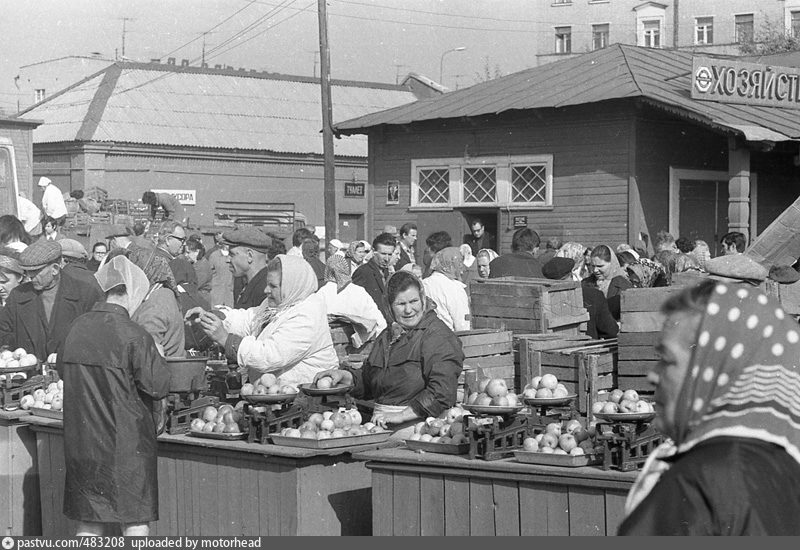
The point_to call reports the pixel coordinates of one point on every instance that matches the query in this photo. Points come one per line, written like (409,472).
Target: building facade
(570,27)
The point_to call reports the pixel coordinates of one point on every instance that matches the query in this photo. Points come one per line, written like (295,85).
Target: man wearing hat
(248,248)
(74,256)
(40,312)
(53,205)
(601,323)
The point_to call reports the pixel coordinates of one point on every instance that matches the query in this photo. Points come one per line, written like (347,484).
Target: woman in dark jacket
(412,371)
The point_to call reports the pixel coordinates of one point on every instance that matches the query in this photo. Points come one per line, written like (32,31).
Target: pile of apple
(619,401)
(17,359)
(546,386)
(52,398)
(570,439)
(448,428)
(266,385)
(330,424)
(326,383)
(224,419)
(493,391)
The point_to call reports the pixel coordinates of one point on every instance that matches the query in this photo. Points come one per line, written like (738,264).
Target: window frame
(39,94)
(563,39)
(503,166)
(708,30)
(604,35)
(647,32)
(737,24)
(794,22)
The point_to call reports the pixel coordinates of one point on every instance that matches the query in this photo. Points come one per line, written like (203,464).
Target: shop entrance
(699,206)
(489,217)
(351,227)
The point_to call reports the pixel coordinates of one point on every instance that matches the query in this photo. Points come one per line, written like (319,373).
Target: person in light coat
(444,287)
(53,205)
(287,335)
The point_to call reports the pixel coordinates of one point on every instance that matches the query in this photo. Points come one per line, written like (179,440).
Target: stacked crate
(487,353)
(526,305)
(528,348)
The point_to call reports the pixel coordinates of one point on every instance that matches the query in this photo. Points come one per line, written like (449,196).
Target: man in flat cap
(39,313)
(53,205)
(248,253)
(73,261)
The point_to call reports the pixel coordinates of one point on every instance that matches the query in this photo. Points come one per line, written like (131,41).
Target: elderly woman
(608,276)
(11,273)
(444,287)
(483,258)
(356,252)
(575,252)
(412,371)
(351,302)
(727,396)
(287,335)
(159,314)
(642,272)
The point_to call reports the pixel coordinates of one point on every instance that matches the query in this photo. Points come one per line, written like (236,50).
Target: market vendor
(608,276)
(287,335)
(412,371)
(113,378)
(173,209)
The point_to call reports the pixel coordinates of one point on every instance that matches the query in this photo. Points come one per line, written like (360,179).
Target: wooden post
(329,193)
(738,188)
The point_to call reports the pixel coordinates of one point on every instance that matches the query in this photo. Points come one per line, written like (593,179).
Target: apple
(456,428)
(28,361)
(287,389)
(577,451)
(435,427)
(546,450)
(445,440)
(327,425)
(58,403)
(472,398)
(208,427)
(459,439)
(567,442)
(425,437)
(615,396)
(553,427)
(484,401)
(327,415)
(6,355)
(627,406)
(415,436)
(497,388)
(630,395)
(549,440)
(325,383)
(19,353)
(529,393)
(261,390)
(548,381)
(231,429)
(60,384)
(355,416)
(308,426)
(544,393)
(453,414)
(419,427)
(368,426)
(209,414)
(539,437)
(643,406)
(482,383)
(324,434)
(535,382)
(316,419)
(38,404)
(581,434)
(572,425)
(597,407)
(13,364)
(610,408)
(560,392)
(275,389)
(339,432)
(559,451)
(513,400)
(530,444)
(586,445)
(562,386)
(247,389)
(293,432)
(26,402)
(308,434)
(500,401)
(268,379)
(341,420)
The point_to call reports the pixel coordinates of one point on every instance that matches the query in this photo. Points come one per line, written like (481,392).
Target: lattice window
(480,184)
(434,186)
(529,183)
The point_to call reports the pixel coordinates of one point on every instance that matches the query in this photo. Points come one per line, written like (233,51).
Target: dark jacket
(614,295)
(404,259)
(601,323)
(112,375)
(723,486)
(319,270)
(23,323)
(419,370)
(253,292)
(371,277)
(485,241)
(516,264)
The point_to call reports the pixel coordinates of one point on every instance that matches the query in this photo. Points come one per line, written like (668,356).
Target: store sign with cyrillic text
(728,81)
(186,197)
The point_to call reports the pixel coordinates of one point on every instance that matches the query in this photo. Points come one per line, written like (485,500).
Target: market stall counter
(19,479)
(425,493)
(210,487)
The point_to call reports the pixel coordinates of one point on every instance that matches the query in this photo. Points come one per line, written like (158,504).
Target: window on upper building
(704,30)
(521,181)
(563,39)
(599,36)
(744,27)
(38,95)
(652,34)
(795,21)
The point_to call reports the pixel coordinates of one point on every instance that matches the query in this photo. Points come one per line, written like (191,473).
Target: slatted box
(528,346)
(527,305)
(489,350)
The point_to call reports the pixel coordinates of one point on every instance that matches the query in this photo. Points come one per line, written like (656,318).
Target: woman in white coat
(287,335)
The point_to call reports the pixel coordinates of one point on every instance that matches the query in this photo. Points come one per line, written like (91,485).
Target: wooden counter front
(19,476)
(212,487)
(438,494)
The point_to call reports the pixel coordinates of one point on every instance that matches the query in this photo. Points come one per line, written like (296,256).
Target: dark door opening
(490,219)
(704,212)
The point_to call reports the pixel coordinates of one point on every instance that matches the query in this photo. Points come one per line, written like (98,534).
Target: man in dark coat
(408,240)
(248,253)
(40,313)
(478,237)
(113,378)
(374,274)
(521,262)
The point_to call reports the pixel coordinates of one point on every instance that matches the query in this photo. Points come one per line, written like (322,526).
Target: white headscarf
(120,270)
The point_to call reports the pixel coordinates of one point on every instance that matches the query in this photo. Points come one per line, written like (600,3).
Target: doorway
(698,206)
(351,227)
(489,217)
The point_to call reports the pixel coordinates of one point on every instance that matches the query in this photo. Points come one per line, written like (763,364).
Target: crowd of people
(269,310)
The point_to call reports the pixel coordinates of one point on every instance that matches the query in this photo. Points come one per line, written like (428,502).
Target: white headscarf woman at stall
(287,335)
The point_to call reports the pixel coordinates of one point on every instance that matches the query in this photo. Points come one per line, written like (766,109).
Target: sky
(372,40)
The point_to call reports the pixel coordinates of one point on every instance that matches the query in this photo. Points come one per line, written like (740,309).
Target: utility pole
(124,30)
(203,54)
(316,55)
(329,190)
(675,20)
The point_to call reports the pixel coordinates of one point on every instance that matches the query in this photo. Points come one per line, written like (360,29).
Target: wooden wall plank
(615,511)
(646,352)
(638,338)
(636,367)
(210,512)
(406,504)
(382,504)
(532,511)
(431,507)
(586,512)
(481,509)
(507,508)
(456,506)
(287,504)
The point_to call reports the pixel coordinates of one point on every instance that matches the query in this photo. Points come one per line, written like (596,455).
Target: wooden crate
(528,345)
(525,305)
(640,308)
(637,357)
(585,369)
(346,342)
(489,353)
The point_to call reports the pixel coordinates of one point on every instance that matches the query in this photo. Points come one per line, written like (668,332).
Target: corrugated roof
(662,77)
(136,103)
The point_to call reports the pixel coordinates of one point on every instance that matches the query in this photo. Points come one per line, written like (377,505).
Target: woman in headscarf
(287,335)
(444,287)
(350,302)
(413,369)
(355,254)
(470,272)
(483,258)
(159,314)
(728,397)
(11,273)
(642,272)
(608,276)
(575,252)
(113,377)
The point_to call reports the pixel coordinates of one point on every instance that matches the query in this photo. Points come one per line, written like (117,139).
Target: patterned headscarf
(155,266)
(574,251)
(449,262)
(337,270)
(743,381)
(643,273)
